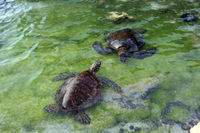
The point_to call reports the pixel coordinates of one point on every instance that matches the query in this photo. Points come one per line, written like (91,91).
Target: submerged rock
(189,17)
(133,95)
(191,120)
(118,17)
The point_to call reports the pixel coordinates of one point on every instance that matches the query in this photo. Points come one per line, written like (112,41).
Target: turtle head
(95,67)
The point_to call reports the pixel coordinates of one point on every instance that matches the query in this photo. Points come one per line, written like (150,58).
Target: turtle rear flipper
(143,53)
(123,57)
(52,108)
(107,82)
(64,76)
(102,49)
(81,117)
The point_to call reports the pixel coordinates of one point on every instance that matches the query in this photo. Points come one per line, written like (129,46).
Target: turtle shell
(81,91)
(122,35)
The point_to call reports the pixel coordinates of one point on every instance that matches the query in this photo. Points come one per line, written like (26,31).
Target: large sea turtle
(126,42)
(80,91)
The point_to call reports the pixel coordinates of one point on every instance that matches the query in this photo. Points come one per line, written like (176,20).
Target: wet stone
(189,17)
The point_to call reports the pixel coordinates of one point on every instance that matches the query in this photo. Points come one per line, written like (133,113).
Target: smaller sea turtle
(80,91)
(126,43)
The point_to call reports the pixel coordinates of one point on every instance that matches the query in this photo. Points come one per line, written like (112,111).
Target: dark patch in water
(189,17)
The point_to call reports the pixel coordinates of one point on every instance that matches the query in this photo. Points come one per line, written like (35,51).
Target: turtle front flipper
(142,53)
(102,49)
(81,117)
(52,108)
(123,58)
(107,82)
(64,76)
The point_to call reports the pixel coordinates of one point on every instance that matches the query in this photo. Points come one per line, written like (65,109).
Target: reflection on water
(39,40)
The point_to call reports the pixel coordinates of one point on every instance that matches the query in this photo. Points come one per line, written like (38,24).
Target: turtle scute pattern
(122,35)
(84,90)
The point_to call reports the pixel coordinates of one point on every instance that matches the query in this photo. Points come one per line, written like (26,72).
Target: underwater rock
(118,17)
(133,95)
(189,17)
(192,118)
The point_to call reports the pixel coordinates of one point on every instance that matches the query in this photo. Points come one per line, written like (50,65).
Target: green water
(39,40)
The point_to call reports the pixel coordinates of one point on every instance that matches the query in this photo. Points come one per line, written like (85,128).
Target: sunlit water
(39,40)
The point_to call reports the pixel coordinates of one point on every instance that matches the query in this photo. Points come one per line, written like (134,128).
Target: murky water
(39,40)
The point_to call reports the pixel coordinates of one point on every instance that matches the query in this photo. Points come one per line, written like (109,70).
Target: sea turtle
(126,42)
(80,91)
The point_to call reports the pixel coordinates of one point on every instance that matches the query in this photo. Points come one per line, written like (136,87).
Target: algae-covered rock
(118,17)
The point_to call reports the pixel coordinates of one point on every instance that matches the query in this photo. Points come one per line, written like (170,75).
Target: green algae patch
(133,115)
(178,114)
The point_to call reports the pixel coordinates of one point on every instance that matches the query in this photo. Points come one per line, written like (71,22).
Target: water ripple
(18,58)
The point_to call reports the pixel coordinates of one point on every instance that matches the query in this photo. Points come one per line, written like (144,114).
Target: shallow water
(39,40)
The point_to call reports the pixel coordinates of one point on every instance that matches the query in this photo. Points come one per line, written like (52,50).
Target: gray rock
(134,95)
